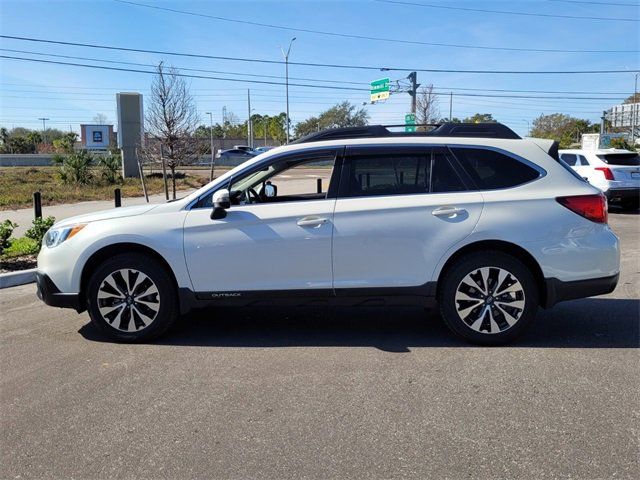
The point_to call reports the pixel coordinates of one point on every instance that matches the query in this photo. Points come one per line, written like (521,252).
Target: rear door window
(374,173)
(491,170)
(569,158)
(623,159)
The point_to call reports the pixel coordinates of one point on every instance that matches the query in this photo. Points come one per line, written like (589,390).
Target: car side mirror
(221,204)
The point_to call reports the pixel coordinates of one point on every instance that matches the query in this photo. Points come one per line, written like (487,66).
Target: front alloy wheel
(132,297)
(488,297)
(128,300)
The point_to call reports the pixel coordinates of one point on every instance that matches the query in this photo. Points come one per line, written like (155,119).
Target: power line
(273,94)
(444,88)
(329,87)
(179,68)
(503,12)
(598,3)
(131,70)
(364,37)
(324,65)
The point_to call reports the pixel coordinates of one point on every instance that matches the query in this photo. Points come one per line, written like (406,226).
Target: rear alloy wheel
(131,298)
(488,297)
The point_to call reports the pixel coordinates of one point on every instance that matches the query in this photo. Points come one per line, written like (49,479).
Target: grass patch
(17,185)
(21,246)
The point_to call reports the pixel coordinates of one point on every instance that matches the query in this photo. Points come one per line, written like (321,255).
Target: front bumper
(559,291)
(51,295)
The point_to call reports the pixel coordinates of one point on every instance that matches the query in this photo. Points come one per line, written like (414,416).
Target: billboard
(96,137)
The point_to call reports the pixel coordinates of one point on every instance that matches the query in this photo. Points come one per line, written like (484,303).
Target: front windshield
(224,178)
(253,179)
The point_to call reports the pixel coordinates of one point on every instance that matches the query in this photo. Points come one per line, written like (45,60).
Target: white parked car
(469,217)
(615,172)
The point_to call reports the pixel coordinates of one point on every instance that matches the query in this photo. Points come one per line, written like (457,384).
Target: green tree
(635,98)
(562,128)
(34,139)
(342,114)
(65,143)
(480,118)
(19,144)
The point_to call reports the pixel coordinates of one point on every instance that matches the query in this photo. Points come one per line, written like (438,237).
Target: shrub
(21,246)
(6,229)
(178,175)
(110,165)
(39,228)
(76,168)
(621,143)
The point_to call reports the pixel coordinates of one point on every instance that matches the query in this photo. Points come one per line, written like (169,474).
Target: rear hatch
(625,167)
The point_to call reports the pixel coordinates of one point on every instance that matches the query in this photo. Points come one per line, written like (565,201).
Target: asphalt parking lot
(353,393)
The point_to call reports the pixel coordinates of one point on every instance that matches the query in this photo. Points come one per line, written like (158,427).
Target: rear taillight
(591,207)
(608,174)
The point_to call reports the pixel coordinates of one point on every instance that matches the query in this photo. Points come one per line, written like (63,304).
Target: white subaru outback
(469,217)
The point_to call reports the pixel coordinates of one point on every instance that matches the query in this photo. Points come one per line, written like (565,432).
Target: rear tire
(488,297)
(131,298)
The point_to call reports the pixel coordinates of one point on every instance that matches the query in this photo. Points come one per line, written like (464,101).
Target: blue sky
(69,96)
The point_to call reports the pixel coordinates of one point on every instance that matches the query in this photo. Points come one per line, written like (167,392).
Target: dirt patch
(17,263)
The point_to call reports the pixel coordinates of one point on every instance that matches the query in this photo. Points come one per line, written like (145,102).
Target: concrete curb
(21,277)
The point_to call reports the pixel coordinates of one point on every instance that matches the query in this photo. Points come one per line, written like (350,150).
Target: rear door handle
(447,211)
(311,221)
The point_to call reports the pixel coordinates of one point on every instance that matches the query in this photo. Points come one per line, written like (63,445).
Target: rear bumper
(622,193)
(51,295)
(559,291)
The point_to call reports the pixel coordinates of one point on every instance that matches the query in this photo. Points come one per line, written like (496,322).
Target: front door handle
(311,221)
(447,211)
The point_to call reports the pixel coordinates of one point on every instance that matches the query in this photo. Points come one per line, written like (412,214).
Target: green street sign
(380,89)
(410,122)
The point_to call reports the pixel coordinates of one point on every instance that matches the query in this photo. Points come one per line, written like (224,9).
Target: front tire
(131,298)
(488,297)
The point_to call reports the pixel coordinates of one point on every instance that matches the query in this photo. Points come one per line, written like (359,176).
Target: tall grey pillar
(130,130)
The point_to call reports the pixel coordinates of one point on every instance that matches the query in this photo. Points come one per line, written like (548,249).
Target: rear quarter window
(491,170)
(622,159)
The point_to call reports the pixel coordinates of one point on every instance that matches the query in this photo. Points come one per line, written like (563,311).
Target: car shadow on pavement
(588,323)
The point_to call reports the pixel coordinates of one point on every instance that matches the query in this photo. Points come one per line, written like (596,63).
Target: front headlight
(55,236)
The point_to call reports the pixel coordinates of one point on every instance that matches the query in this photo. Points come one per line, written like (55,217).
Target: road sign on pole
(380,89)
(410,122)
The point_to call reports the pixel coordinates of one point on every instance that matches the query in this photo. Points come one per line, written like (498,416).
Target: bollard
(117,197)
(37,205)
(319,185)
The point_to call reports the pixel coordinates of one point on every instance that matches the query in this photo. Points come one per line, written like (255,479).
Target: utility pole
(211,136)
(602,120)
(266,127)
(249,133)
(44,129)
(413,91)
(286,79)
(528,127)
(634,111)
(450,106)
(224,123)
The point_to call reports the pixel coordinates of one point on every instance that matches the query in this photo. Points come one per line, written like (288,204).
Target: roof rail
(472,130)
